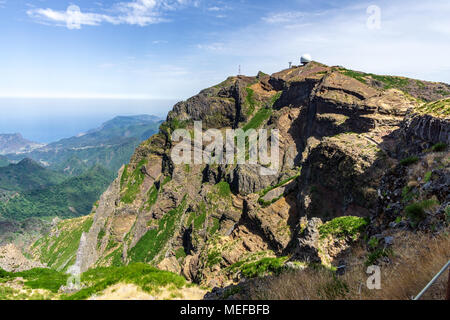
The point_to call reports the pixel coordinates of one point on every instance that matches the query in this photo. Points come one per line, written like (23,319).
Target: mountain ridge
(15,143)
(359,163)
(109,145)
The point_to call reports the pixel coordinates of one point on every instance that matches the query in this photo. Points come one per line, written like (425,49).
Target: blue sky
(171,49)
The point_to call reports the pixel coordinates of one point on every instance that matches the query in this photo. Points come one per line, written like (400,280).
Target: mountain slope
(3,161)
(15,143)
(355,159)
(110,146)
(27,175)
(71,198)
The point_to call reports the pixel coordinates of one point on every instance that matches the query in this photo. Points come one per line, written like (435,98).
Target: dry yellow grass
(416,259)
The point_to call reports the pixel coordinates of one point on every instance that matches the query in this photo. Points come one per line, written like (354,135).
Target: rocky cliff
(341,135)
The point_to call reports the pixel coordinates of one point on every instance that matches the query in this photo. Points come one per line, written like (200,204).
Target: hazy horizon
(49,120)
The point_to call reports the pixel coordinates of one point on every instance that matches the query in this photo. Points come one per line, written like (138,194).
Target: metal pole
(433,280)
(448,285)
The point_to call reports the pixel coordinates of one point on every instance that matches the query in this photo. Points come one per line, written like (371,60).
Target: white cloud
(410,32)
(2,3)
(284,17)
(136,12)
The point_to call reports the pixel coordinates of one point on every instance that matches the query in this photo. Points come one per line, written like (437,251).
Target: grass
(250,101)
(343,227)
(270,188)
(59,251)
(223,189)
(38,278)
(418,257)
(180,253)
(215,226)
(377,254)
(199,220)
(427,176)
(408,161)
(416,211)
(388,81)
(152,242)
(147,277)
(439,147)
(152,196)
(259,268)
(258,119)
(439,108)
(275,98)
(133,182)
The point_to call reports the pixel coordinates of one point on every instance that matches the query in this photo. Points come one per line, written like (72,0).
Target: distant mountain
(110,146)
(27,175)
(15,143)
(71,198)
(3,161)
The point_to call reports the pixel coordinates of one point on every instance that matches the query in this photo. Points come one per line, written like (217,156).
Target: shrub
(377,254)
(408,161)
(263,267)
(416,211)
(147,277)
(343,227)
(427,176)
(438,147)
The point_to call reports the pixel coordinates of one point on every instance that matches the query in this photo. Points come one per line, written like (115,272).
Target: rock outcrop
(339,137)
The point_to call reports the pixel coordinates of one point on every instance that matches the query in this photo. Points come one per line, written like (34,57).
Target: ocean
(48,120)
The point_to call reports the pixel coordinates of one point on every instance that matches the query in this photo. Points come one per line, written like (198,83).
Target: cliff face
(338,137)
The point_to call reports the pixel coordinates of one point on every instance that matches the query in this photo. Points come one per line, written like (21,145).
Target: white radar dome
(306,58)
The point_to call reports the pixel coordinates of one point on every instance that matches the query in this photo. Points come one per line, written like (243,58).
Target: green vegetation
(3,161)
(388,81)
(199,220)
(72,198)
(275,98)
(262,267)
(333,289)
(427,176)
(270,188)
(38,278)
(258,119)
(214,257)
(377,254)
(134,181)
(231,292)
(223,189)
(101,235)
(439,147)
(407,194)
(110,146)
(343,227)
(408,161)
(152,196)
(180,253)
(373,242)
(59,251)
(153,242)
(250,101)
(28,175)
(439,108)
(146,277)
(416,211)
(215,226)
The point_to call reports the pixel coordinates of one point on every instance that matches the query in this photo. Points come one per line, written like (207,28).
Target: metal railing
(434,280)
